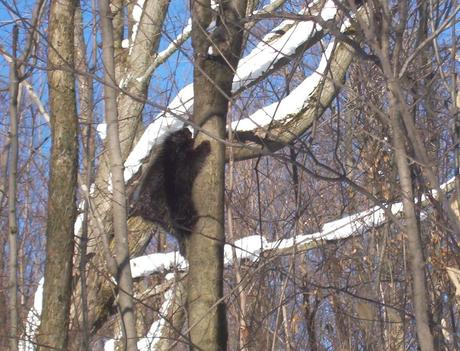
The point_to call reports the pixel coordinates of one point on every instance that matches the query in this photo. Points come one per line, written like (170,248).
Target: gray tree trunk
(119,214)
(414,244)
(85,88)
(12,188)
(213,76)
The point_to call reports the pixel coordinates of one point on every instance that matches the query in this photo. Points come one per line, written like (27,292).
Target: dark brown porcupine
(165,197)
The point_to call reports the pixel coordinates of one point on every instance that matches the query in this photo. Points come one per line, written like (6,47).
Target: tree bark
(119,213)
(415,249)
(63,181)
(130,105)
(100,299)
(12,187)
(213,76)
(85,88)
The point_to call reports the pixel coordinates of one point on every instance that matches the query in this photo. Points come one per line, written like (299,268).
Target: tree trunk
(63,181)
(85,88)
(130,104)
(119,214)
(12,187)
(213,76)
(415,249)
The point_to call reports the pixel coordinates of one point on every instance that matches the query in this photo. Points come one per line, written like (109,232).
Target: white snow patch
(154,134)
(109,345)
(339,229)
(266,53)
(124,81)
(173,45)
(396,208)
(78,222)
(164,124)
(445,185)
(158,262)
(33,320)
(125,43)
(137,14)
(211,51)
(101,130)
(182,103)
(291,104)
(249,247)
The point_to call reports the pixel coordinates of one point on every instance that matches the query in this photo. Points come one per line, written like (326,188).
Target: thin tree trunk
(63,181)
(455,96)
(119,213)
(400,118)
(243,327)
(85,87)
(12,186)
(415,249)
(212,85)
(4,172)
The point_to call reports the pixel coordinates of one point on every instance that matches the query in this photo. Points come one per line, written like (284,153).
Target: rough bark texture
(63,180)
(213,77)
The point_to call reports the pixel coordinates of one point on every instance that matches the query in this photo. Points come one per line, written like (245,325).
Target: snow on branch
(289,106)
(185,35)
(252,247)
(249,248)
(263,57)
(272,48)
(138,8)
(144,266)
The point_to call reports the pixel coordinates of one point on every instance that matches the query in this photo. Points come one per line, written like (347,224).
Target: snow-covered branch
(252,247)
(273,48)
(249,248)
(252,67)
(289,106)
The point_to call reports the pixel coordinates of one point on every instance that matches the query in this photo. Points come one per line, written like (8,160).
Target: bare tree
(338,219)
